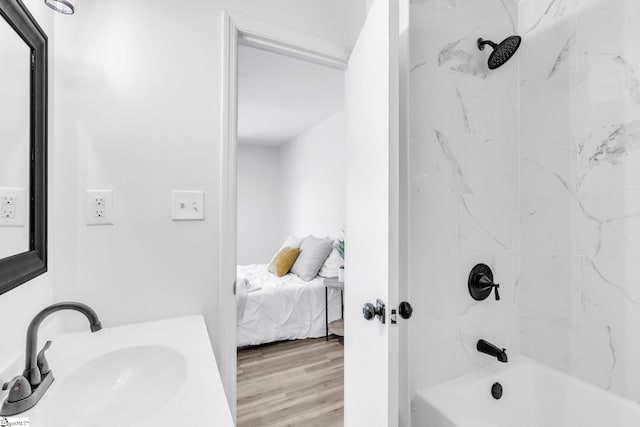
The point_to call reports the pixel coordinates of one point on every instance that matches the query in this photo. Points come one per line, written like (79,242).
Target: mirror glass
(15,88)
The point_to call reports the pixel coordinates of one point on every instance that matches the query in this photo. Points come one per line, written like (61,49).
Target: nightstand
(337,326)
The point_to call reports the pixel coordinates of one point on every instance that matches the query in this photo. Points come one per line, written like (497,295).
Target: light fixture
(62,6)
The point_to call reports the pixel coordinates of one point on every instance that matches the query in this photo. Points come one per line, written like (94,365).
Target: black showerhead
(501,52)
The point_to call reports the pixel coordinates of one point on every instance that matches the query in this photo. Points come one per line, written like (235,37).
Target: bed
(272,308)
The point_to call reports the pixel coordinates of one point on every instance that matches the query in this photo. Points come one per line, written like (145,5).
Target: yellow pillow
(282,262)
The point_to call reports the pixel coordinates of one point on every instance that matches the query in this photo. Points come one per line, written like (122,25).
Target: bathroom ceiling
(281,97)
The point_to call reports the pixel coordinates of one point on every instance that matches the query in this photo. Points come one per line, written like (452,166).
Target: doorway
(243,31)
(374,186)
(291,197)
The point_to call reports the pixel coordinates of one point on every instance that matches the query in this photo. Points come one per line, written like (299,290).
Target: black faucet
(31,371)
(26,390)
(490,349)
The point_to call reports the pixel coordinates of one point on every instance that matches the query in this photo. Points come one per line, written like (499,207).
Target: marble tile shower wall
(533,169)
(579,134)
(464,186)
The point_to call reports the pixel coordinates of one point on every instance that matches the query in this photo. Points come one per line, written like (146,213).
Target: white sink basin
(123,384)
(141,375)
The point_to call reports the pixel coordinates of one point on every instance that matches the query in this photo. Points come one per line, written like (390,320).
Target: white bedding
(275,308)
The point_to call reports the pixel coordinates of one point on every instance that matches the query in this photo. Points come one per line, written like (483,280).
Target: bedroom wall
(294,189)
(259,203)
(313,180)
(141,111)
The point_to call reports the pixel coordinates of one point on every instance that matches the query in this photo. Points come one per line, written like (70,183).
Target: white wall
(140,114)
(259,203)
(313,180)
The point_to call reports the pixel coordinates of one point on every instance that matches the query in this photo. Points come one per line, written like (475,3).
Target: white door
(372,231)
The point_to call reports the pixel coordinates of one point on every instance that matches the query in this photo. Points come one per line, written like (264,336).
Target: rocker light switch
(187,206)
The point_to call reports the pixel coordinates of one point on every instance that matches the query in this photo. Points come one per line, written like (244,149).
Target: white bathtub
(534,395)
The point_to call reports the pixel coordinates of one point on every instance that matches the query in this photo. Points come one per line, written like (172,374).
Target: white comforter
(272,308)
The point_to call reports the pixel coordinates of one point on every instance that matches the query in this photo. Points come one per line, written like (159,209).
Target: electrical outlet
(99,207)
(13,207)
(8,212)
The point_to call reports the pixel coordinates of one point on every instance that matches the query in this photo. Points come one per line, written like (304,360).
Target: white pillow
(332,264)
(290,242)
(313,253)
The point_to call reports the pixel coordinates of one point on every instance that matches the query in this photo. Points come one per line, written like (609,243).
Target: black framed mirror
(23,64)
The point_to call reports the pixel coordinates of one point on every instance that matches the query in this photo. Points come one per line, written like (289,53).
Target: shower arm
(482,43)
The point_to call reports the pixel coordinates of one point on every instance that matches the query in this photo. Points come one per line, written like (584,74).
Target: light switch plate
(99,207)
(187,206)
(13,207)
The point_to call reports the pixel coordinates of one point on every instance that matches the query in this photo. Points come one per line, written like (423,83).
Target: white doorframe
(241,29)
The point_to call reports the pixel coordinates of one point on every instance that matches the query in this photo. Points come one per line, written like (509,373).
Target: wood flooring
(291,383)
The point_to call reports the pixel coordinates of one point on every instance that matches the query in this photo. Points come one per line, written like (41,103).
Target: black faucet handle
(19,388)
(487,283)
(43,364)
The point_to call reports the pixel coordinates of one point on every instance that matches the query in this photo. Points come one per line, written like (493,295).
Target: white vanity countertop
(147,374)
